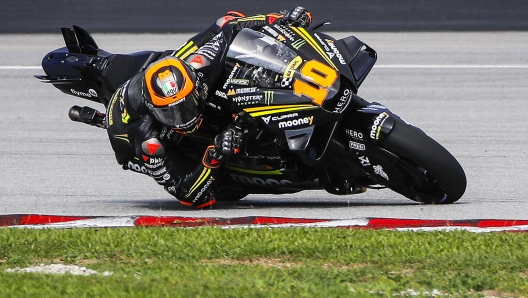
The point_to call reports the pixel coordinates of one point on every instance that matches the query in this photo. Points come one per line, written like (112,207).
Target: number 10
(318,77)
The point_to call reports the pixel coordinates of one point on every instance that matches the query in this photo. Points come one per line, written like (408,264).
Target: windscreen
(254,48)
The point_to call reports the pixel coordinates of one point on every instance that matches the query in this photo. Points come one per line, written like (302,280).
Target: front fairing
(263,70)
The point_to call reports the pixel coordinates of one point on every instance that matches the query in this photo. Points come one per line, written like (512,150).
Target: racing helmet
(170,91)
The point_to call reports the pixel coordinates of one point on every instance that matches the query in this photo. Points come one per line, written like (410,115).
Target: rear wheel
(420,168)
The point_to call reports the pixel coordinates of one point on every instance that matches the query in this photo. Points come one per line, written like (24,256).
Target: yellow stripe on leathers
(203,176)
(186,50)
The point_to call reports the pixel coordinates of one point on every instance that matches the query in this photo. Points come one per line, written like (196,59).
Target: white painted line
(17,67)
(100,222)
(324,224)
(468,229)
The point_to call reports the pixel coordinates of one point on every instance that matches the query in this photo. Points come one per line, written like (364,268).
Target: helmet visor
(181,114)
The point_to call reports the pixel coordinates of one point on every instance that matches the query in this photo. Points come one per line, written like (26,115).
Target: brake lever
(323,23)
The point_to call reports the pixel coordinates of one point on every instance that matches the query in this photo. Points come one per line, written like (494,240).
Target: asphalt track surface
(169,16)
(466,90)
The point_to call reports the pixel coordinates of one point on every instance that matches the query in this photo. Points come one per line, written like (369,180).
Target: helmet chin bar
(191,128)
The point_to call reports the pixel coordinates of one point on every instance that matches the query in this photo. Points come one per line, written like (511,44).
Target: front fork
(361,137)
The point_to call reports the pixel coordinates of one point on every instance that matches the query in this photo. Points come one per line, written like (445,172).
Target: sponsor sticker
(296,122)
(354,134)
(356,146)
(364,161)
(91,93)
(292,66)
(335,51)
(343,101)
(376,126)
(378,170)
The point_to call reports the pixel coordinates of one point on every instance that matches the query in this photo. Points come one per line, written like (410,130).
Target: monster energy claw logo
(298,43)
(268,97)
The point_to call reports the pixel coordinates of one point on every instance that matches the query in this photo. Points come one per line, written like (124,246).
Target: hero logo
(376,126)
(354,134)
(296,122)
(336,51)
(343,100)
(137,168)
(259,181)
(91,93)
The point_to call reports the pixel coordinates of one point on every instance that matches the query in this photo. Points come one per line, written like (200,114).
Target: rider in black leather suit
(151,116)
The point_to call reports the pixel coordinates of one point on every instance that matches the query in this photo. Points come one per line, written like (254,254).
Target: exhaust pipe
(87,115)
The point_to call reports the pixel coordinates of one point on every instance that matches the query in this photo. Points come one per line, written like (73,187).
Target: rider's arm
(192,187)
(298,16)
(235,21)
(205,36)
(152,146)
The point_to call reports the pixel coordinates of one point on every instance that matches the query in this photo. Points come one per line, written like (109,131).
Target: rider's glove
(298,17)
(228,142)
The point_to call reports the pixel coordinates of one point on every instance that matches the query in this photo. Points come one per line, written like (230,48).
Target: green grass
(212,262)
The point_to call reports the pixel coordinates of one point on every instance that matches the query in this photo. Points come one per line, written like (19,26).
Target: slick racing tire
(424,170)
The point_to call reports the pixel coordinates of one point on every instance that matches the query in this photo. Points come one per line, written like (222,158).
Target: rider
(150,113)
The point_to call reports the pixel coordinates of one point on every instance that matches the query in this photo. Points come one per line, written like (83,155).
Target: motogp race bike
(295,91)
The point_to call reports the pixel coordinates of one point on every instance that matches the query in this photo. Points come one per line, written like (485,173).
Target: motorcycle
(295,92)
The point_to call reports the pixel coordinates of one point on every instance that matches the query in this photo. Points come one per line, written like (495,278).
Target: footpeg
(87,115)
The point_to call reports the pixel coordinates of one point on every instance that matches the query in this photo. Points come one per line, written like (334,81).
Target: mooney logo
(259,181)
(204,188)
(233,73)
(336,52)
(296,122)
(376,126)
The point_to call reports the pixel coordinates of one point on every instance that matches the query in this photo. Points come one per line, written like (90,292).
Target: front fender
(368,125)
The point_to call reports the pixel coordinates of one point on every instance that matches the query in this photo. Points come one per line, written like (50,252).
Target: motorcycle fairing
(368,125)
(258,60)
(269,172)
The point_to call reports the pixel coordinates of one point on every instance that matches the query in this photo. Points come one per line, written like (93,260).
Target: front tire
(430,173)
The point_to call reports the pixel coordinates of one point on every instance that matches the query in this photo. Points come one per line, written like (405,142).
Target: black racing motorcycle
(295,92)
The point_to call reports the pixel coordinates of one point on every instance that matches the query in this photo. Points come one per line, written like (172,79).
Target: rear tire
(431,174)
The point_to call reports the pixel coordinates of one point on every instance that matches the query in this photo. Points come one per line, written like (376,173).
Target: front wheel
(421,169)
